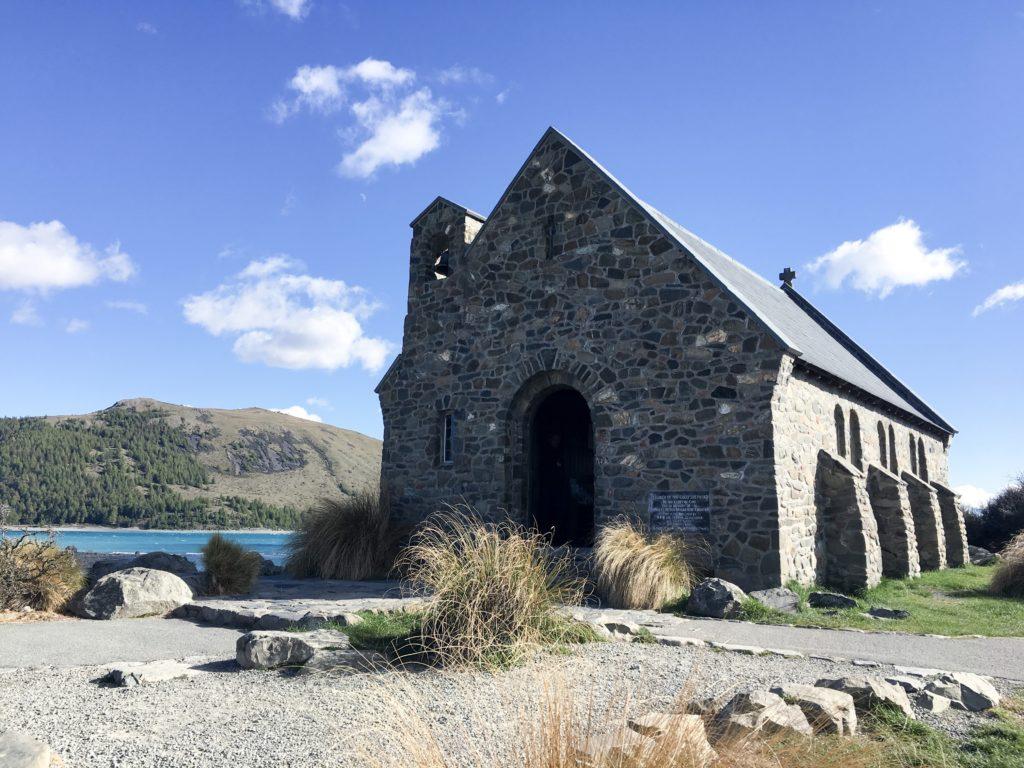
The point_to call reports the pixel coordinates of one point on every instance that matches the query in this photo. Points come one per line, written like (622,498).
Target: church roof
(806,333)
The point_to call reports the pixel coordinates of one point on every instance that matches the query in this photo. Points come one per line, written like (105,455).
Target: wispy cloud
(76,325)
(394,120)
(972,496)
(44,257)
(129,306)
(26,313)
(321,402)
(1005,295)
(290,201)
(887,259)
(501,96)
(298,412)
(285,319)
(145,28)
(296,10)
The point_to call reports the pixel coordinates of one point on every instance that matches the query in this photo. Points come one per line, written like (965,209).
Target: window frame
(446,454)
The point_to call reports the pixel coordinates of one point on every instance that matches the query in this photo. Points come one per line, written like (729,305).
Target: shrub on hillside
(350,538)
(494,589)
(632,569)
(231,569)
(37,574)
(1000,520)
(1008,580)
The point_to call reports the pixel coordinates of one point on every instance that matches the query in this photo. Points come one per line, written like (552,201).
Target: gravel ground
(229,717)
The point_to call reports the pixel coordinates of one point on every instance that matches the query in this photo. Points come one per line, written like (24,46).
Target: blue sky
(207,202)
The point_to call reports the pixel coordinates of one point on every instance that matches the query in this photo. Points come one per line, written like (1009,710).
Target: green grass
(396,634)
(955,601)
(644,635)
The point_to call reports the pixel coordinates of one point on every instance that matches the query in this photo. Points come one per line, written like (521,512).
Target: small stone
(830,600)
(716,598)
(778,598)
(976,693)
(933,702)
(827,710)
(129,674)
(869,692)
(920,671)
(686,735)
(623,746)
(749,650)
(882,612)
(980,555)
(906,682)
(757,711)
(946,688)
(680,642)
(343,661)
(19,750)
(270,650)
(865,663)
(622,627)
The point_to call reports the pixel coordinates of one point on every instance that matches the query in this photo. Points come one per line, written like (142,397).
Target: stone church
(577,355)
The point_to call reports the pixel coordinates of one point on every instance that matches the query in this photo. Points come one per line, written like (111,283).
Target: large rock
(869,692)
(980,555)
(778,598)
(129,674)
(716,598)
(827,710)
(134,592)
(830,600)
(269,650)
(758,711)
(343,662)
(621,746)
(19,750)
(684,735)
(881,612)
(971,692)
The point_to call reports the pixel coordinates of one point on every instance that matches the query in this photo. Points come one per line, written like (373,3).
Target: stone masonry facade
(570,285)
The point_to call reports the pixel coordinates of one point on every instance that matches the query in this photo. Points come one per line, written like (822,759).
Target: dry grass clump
(1008,579)
(632,569)
(231,569)
(350,538)
(37,575)
(494,589)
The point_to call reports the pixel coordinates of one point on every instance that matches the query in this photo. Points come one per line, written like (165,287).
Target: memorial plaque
(679,511)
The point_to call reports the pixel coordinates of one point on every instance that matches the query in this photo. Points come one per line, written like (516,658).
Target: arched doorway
(561,467)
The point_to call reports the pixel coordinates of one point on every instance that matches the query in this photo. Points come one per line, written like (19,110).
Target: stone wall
(896,533)
(804,408)
(953,528)
(571,281)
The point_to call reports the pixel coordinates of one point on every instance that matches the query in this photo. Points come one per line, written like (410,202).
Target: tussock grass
(1008,579)
(635,570)
(231,569)
(350,538)
(37,574)
(494,589)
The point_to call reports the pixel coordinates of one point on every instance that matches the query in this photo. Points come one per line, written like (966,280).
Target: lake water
(188,543)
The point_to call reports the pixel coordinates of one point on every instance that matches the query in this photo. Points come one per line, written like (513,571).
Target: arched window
(922,463)
(913,455)
(856,452)
(440,258)
(840,432)
(882,455)
(894,465)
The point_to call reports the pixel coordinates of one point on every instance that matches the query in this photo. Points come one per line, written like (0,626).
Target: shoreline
(134,529)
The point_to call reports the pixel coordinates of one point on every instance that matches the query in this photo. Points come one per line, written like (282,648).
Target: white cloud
(1006,294)
(146,28)
(501,96)
(322,402)
(459,74)
(298,412)
(44,256)
(129,306)
(323,89)
(889,258)
(26,314)
(972,496)
(290,201)
(288,320)
(397,135)
(294,9)
(76,325)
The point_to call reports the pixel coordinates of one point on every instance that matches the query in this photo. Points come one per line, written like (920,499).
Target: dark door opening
(562,468)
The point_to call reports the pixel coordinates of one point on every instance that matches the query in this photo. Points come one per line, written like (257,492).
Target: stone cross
(787,276)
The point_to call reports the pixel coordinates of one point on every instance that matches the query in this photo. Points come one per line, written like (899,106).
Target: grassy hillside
(152,464)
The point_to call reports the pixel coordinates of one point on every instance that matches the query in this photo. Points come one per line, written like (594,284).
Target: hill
(152,464)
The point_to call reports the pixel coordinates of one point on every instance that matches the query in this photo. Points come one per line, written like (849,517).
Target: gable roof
(802,330)
(446,201)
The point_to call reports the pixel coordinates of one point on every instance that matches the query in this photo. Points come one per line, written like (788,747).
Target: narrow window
(440,265)
(922,463)
(882,455)
(894,465)
(840,432)
(856,451)
(550,230)
(913,455)
(447,439)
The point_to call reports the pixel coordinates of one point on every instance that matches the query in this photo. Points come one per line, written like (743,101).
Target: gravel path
(226,717)
(78,643)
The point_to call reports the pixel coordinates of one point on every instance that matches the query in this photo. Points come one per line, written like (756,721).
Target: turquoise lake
(188,543)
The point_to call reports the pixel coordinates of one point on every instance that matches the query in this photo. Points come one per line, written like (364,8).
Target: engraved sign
(679,511)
